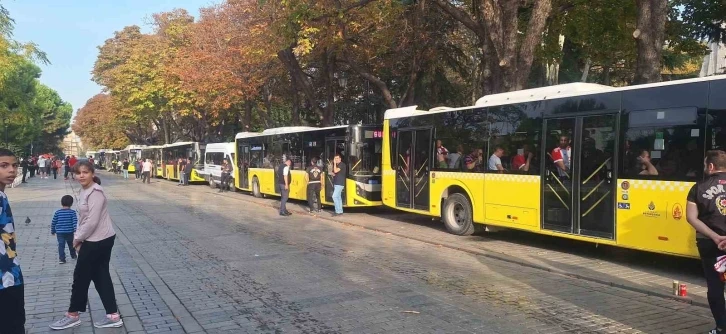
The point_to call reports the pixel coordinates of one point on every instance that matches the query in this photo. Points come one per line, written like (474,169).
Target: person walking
(12,294)
(188,168)
(25,166)
(63,225)
(32,165)
(56,165)
(146,172)
(181,166)
(313,174)
(339,176)
(41,167)
(137,169)
(226,175)
(72,163)
(125,169)
(284,178)
(67,167)
(94,241)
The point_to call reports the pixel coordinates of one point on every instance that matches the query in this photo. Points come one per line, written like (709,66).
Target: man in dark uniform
(283,178)
(706,212)
(313,175)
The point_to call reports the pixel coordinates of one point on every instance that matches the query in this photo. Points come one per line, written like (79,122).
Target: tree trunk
(295,102)
(293,66)
(586,70)
(650,37)
(506,57)
(248,116)
(329,76)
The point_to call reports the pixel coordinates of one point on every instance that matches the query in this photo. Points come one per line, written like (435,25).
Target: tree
(650,39)
(100,125)
(507,55)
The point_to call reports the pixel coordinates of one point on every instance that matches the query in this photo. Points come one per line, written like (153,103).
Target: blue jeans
(337,198)
(63,239)
(181,177)
(126,173)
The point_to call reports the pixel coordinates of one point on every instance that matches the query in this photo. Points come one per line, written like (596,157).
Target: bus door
(578,194)
(243,167)
(333,146)
(412,174)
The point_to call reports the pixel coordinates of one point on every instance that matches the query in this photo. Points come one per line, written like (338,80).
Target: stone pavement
(652,274)
(190,260)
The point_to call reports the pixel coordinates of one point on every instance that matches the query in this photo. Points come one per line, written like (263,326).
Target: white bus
(214,155)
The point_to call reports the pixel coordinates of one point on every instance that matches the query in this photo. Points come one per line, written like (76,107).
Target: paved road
(189,260)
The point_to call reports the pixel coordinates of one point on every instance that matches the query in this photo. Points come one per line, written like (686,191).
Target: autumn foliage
(246,65)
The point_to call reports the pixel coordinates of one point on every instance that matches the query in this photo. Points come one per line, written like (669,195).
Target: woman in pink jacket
(94,241)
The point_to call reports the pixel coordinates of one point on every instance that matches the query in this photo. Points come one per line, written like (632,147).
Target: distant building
(714,62)
(72,145)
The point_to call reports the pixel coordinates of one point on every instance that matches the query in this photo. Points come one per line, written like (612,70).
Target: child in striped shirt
(63,226)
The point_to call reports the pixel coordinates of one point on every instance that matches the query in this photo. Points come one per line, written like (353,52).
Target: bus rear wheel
(256,187)
(457,215)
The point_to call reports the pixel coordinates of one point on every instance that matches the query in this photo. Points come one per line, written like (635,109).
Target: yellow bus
(154,154)
(259,155)
(581,161)
(171,153)
(131,153)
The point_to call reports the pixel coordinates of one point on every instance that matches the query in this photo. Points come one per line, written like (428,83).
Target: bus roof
(541,94)
(179,144)
(152,147)
(133,147)
(220,146)
(286,129)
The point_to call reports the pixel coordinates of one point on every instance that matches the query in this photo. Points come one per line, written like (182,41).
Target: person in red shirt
(72,162)
(521,162)
(562,156)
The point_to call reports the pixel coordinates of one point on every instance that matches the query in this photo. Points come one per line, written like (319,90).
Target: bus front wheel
(210,179)
(457,215)
(256,187)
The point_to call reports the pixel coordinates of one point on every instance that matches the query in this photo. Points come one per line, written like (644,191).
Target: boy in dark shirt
(313,176)
(12,300)
(64,224)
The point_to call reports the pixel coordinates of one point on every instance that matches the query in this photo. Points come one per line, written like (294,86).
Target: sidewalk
(652,274)
(48,284)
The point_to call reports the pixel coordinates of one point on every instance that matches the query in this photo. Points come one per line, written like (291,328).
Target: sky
(70,31)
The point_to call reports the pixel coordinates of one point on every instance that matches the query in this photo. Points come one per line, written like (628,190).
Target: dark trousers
(32,171)
(314,194)
(63,240)
(138,173)
(55,173)
(285,194)
(224,181)
(66,171)
(146,177)
(25,173)
(92,265)
(709,252)
(12,310)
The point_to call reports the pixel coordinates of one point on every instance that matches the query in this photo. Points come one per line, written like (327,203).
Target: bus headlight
(359,191)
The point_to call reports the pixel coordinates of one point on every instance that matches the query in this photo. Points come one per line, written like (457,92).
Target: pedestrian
(57,164)
(181,166)
(33,163)
(226,175)
(25,166)
(66,167)
(339,176)
(41,167)
(119,166)
(188,169)
(72,163)
(284,177)
(63,226)
(146,172)
(313,175)
(137,169)
(125,169)
(12,300)
(48,164)
(704,214)
(94,241)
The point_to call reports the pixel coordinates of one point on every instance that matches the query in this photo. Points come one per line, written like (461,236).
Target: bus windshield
(365,152)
